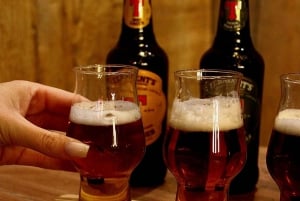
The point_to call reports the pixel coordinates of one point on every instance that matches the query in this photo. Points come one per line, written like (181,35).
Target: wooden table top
(21,183)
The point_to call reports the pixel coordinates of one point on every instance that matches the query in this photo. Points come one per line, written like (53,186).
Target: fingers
(23,156)
(25,134)
(43,106)
(49,121)
(46,98)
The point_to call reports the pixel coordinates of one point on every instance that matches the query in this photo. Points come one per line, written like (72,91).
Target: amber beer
(283,158)
(113,129)
(202,150)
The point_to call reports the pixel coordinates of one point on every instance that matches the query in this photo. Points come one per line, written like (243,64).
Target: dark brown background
(41,40)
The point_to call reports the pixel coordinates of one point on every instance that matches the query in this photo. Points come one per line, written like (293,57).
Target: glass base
(108,189)
(184,194)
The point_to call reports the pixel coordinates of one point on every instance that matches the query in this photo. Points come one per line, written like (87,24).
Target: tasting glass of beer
(283,154)
(205,146)
(105,115)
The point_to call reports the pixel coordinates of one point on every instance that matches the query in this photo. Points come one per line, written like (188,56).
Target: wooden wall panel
(277,38)
(17,45)
(183,29)
(54,43)
(42,40)
(72,33)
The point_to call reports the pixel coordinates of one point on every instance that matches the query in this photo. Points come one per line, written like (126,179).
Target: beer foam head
(288,121)
(104,113)
(223,113)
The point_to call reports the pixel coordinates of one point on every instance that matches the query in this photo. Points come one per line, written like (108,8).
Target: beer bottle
(137,46)
(232,49)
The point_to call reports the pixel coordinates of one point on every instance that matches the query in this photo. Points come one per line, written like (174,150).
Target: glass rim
(213,73)
(291,77)
(96,69)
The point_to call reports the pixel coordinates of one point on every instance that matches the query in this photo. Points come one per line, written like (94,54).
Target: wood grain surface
(20,183)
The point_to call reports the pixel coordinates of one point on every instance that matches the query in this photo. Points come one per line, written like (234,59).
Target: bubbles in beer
(99,113)
(288,122)
(223,113)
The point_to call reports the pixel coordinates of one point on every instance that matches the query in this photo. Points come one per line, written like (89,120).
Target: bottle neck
(137,22)
(233,24)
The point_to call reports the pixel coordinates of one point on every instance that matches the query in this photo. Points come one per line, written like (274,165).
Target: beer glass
(283,154)
(205,145)
(106,116)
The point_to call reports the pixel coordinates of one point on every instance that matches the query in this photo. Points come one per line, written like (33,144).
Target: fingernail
(77,149)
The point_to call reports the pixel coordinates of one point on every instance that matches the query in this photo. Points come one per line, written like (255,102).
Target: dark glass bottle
(137,46)
(233,49)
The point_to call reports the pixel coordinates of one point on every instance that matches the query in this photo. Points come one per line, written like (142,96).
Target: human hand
(31,116)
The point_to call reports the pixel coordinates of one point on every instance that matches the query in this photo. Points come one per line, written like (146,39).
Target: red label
(230,7)
(136,6)
(236,14)
(137,13)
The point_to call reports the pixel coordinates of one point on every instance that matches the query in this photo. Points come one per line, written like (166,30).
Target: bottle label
(137,13)
(235,15)
(250,106)
(152,104)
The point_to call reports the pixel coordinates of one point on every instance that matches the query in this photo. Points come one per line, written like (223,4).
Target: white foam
(223,113)
(288,121)
(104,113)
